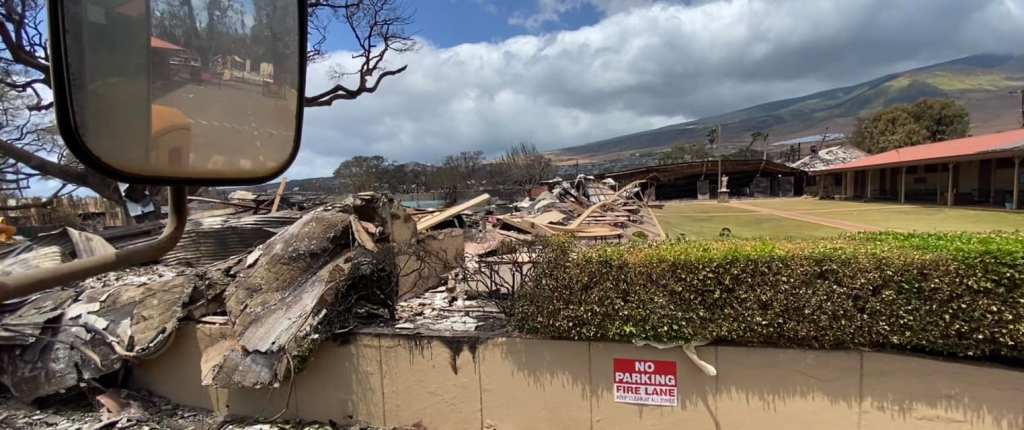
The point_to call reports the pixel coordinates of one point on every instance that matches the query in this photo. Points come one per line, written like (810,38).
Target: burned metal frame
(23,284)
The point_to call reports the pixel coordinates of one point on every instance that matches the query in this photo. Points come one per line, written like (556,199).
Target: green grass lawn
(702,208)
(753,225)
(932,219)
(813,205)
(705,220)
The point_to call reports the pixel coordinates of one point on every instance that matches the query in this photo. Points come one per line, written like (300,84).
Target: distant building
(699,179)
(820,139)
(93,211)
(978,170)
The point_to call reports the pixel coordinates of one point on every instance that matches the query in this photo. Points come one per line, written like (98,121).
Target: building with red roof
(158,43)
(976,170)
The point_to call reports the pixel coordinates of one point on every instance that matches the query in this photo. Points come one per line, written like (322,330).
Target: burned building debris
(700,179)
(281,282)
(278,282)
(584,208)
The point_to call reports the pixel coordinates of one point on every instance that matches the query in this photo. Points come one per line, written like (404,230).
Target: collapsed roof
(829,157)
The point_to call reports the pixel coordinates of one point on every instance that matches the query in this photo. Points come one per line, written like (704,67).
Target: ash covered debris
(279,284)
(584,208)
(299,287)
(302,278)
(137,410)
(828,157)
(440,310)
(486,261)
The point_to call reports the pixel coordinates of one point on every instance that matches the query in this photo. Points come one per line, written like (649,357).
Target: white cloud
(551,10)
(640,68)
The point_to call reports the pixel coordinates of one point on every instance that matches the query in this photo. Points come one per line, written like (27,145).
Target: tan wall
(968,182)
(933,181)
(421,264)
(515,383)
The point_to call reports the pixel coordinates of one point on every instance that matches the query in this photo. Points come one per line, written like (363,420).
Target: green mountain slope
(981,82)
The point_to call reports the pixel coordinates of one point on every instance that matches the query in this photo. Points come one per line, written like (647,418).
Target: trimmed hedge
(947,293)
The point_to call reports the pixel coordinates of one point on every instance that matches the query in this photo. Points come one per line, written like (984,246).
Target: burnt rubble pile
(279,282)
(294,278)
(498,245)
(584,208)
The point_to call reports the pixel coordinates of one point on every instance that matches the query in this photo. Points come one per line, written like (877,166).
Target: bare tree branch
(29,146)
(378,27)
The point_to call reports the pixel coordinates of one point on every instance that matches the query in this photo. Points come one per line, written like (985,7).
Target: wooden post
(277,197)
(903,184)
(867,192)
(848,185)
(821,184)
(992,182)
(1016,181)
(949,189)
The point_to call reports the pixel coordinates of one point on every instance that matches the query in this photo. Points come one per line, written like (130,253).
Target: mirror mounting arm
(26,283)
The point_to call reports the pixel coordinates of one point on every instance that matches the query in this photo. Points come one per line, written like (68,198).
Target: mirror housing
(173,92)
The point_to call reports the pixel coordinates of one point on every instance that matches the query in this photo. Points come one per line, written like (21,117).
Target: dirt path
(842,225)
(654,219)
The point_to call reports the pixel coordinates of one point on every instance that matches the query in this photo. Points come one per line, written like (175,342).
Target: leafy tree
(681,152)
(927,120)
(942,119)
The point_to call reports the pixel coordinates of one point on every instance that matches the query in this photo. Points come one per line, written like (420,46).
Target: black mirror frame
(62,102)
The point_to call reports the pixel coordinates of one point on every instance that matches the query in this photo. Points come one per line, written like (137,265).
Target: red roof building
(158,43)
(977,170)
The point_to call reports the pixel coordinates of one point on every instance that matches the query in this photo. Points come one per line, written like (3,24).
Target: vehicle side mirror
(180,92)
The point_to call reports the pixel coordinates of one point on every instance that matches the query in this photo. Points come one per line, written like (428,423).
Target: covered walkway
(976,171)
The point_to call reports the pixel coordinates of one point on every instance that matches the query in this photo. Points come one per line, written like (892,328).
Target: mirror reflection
(215,81)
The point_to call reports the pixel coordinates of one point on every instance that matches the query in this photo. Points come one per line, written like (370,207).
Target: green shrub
(947,293)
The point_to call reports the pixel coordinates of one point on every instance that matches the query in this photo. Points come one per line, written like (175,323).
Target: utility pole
(717,137)
(1021,93)
(764,141)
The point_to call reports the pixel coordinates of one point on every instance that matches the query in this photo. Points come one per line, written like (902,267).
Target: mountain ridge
(979,81)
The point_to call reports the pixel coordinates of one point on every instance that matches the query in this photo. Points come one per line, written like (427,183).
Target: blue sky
(447,23)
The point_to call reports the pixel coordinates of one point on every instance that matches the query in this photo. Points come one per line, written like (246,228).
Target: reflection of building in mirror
(229,70)
(233,67)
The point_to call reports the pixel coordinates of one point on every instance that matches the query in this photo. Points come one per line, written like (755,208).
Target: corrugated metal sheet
(122,237)
(40,257)
(205,241)
(73,243)
(209,240)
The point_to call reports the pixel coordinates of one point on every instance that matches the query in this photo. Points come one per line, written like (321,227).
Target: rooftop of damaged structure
(283,281)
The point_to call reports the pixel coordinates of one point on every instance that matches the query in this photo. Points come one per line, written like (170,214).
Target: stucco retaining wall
(509,383)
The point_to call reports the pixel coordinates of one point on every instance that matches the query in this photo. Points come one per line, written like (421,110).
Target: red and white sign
(645,382)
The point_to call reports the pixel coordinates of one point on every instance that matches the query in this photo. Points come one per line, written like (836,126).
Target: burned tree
(378,27)
(524,166)
(28,152)
(29,147)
